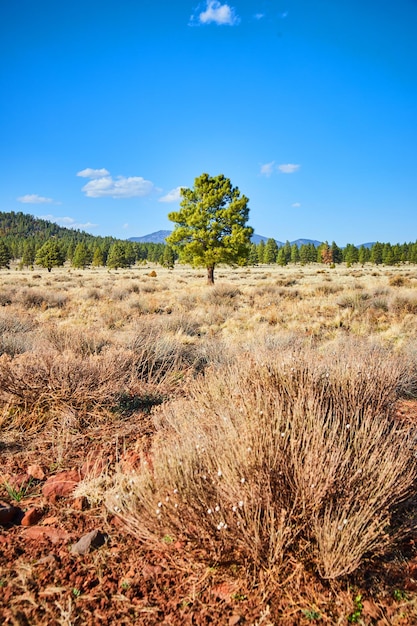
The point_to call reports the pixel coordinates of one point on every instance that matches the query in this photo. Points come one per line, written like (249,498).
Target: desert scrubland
(247,450)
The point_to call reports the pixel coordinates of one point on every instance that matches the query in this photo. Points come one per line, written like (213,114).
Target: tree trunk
(210,275)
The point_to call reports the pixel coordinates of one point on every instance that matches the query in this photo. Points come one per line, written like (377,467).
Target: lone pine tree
(210,227)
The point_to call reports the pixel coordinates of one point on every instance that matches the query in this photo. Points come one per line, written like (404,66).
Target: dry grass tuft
(286,454)
(34,386)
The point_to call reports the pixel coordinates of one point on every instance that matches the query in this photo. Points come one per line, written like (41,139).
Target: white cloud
(67,222)
(90,173)
(172,196)
(121,187)
(259,16)
(296,205)
(102,185)
(288,168)
(217,13)
(267,168)
(33,198)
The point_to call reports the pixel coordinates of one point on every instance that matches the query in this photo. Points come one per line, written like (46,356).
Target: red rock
(36,471)
(55,535)
(224,590)
(50,521)
(93,539)
(18,481)
(31,517)
(131,460)
(93,468)
(61,485)
(80,504)
(7,513)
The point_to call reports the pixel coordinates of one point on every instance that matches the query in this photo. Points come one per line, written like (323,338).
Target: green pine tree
(50,255)
(210,227)
(5,255)
(81,257)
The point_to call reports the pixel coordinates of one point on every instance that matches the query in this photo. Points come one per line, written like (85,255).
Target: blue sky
(308,106)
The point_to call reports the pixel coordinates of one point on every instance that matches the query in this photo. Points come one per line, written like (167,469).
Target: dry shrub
(47,382)
(328,290)
(222,294)
(7,297)
(403,304)
(15,323)
(162,357)
(285,454)
(80,341)
(92,294)
(32,298)
(16,334)
(356,301)
(380,304)
(398,281)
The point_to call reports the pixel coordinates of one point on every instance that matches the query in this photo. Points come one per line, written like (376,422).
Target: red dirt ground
(124,583)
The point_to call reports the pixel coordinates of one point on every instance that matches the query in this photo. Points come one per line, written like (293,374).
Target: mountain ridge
(159,236)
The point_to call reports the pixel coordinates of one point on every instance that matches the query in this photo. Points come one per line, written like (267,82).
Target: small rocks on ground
(93,539)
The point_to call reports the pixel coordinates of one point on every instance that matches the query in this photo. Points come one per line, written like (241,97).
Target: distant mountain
(258,238)
(366,245)
(157,237)
(304,242)
(160,235)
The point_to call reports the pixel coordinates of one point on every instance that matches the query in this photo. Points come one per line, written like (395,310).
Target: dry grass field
(246,451)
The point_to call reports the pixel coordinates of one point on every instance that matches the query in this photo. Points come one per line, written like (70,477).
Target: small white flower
(234,509)
(249,449)
(219,473)
(117,496)
(158,511)
(209,511)
(282,434)
(242,480)
(241,503)
(175,490)
(217,508)
(176,505)
(345,522)
(204,477)
(117,509)
(159,505)
(167,499)
(347,426)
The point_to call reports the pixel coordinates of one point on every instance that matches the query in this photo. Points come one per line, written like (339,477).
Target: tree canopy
(50,255)
(210,227)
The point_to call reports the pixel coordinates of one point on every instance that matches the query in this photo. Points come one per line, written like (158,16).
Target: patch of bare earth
(114,580)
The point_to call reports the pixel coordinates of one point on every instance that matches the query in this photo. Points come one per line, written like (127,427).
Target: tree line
(32,241)
(329,254)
